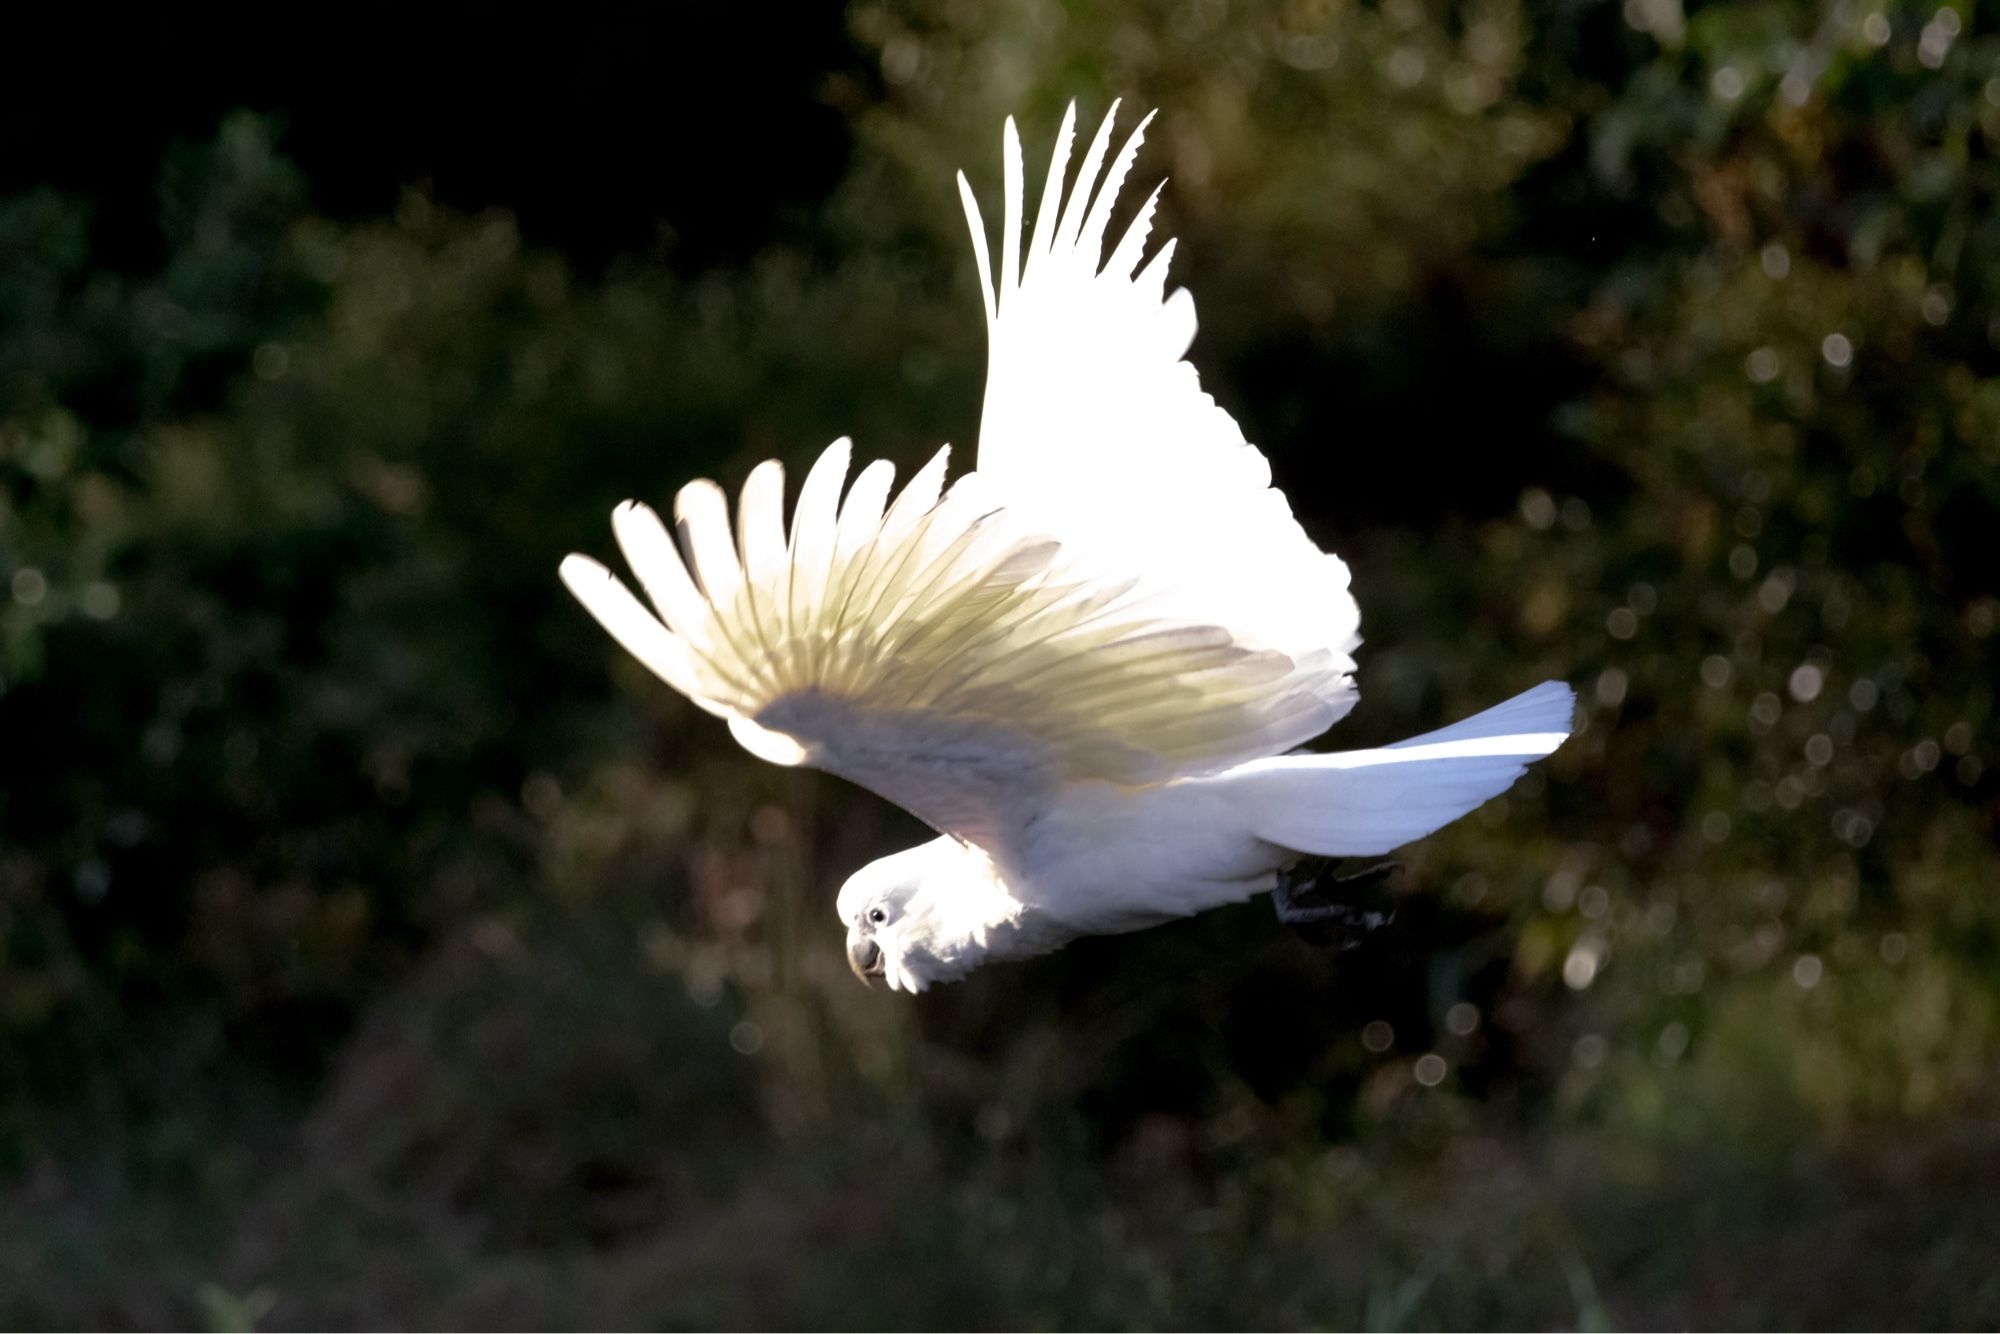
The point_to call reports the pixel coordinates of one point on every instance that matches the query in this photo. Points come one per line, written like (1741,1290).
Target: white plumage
(1085,662)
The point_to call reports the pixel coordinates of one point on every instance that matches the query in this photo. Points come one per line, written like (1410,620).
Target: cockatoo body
(1087,664)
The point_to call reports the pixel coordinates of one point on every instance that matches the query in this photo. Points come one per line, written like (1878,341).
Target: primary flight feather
(1087,663)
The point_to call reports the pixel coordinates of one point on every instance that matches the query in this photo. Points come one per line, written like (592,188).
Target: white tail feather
(1362,803)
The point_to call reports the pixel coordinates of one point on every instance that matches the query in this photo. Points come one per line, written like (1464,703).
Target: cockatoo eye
(877,916)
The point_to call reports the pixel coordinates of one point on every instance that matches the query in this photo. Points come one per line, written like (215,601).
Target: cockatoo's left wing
(938,654)
(1096,430)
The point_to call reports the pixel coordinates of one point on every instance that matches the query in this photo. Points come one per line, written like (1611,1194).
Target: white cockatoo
(1087,664)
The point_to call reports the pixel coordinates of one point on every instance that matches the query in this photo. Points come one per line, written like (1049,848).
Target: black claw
(1334,911)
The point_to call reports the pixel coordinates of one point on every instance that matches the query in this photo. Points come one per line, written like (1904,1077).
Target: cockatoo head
(918,917)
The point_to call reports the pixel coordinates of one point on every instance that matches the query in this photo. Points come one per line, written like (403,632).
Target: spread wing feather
(933,649)
(1096,430)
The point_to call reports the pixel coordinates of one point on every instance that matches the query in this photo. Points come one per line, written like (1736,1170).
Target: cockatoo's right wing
(939,654)
(1097,431)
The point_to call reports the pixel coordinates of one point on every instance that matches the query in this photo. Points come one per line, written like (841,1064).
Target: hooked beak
(864,956)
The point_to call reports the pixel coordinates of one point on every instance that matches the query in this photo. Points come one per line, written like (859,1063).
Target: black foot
(1334,911)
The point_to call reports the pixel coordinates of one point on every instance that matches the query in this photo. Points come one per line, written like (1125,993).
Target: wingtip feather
(653,558)
(701,512)
(1090,238)
(637,630)
(1013,190)
(1091,181)
(981,257)
(1047,215)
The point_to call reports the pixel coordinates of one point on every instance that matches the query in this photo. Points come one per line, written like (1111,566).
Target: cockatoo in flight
(1088,664)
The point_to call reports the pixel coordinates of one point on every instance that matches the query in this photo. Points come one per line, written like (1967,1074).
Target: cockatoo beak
(864,956)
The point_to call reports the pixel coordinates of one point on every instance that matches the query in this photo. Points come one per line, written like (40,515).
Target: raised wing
(937,653)
(1098,432)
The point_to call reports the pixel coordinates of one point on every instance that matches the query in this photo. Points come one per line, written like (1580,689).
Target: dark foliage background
(379,946)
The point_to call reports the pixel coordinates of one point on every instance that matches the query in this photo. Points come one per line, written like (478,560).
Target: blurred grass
(379,946)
